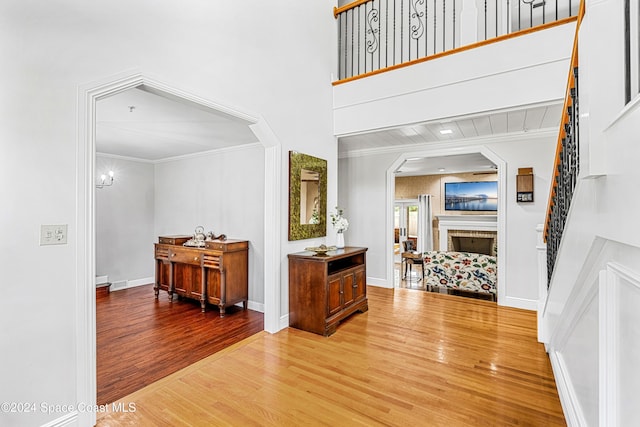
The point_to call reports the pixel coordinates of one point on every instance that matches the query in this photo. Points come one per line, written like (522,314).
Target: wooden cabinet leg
(222,311)
(244,304)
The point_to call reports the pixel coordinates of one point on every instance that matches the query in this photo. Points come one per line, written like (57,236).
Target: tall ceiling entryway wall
(89,96)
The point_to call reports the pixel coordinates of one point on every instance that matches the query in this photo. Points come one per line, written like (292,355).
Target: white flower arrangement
(339,222)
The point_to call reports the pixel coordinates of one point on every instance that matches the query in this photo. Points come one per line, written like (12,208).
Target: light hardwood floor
(414,359)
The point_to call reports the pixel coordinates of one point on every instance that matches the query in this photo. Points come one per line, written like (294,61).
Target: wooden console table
(216,274)
(324,290)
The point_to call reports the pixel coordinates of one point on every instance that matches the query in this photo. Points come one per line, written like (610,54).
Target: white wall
(125,222)
(591,312)
(363,194)
(222,192)
(230,53)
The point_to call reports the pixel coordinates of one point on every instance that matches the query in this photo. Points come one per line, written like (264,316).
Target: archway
(88,95)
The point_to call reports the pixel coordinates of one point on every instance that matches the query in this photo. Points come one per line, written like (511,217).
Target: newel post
(541,247)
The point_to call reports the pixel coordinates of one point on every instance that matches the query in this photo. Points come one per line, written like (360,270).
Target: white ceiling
(142,125)
(481,126)
(146,126)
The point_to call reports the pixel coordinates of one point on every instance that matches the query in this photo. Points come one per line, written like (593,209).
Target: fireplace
(468,233)
(479,242)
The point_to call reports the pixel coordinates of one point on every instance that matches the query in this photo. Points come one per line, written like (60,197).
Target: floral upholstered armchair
(460,273)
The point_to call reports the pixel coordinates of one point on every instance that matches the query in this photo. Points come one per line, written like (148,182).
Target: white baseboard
(381,283)
(525,304)
(126,284)
(284,321)
(66,420)
(568,399)
(255,306)
(140,282)
(101,280)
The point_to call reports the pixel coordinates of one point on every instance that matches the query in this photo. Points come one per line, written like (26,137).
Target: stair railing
(567,163)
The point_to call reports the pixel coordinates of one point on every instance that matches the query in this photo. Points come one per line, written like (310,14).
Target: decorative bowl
(321,250)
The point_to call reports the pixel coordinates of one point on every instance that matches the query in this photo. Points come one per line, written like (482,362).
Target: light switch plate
(53,234)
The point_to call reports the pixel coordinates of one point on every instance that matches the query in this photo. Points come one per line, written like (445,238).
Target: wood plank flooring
(141,339)
(415,358)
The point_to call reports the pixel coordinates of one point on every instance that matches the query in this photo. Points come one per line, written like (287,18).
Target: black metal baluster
(364,52)
(444,26)
(507,19)
(410,26)
(379,33)
(485,19)
(386,33)
(454,25)
(394,32)
(519,15)
(340,76)
(577,132)
(496,6)
(426,28)
(401,31)
(435,26)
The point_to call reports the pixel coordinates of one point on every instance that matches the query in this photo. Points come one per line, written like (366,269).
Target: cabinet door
(187,280)
(163,274)
(334,294)
(348,288)
(360,284)
(213,286)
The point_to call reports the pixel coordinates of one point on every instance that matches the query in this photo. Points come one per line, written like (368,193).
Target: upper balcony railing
(379,35)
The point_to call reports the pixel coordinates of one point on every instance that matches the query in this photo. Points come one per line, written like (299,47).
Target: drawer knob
(195,258)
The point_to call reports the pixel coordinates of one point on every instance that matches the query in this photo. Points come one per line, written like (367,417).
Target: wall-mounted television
(471,196)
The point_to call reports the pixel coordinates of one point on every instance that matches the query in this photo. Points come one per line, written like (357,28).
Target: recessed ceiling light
(446,131)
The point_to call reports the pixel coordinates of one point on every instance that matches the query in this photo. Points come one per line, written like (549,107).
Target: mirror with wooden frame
(307,196)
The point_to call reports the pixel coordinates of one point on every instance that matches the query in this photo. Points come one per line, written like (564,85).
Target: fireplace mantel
(477,225)
(469,222)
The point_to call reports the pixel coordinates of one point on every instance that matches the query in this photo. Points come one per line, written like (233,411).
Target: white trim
(501,214)
(66,420)
(272,228)
(541,248)
(381,283)
(206,153)
(607,348)
(88,95)
(255,306)
(464,222)
(611,281)
(568,399)
(444,84)
(140,282)
(523,303)
(100,280)
(284,321)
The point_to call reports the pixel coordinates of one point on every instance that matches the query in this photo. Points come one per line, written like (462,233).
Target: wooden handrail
(456,50)
(338,10)
(562,132)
